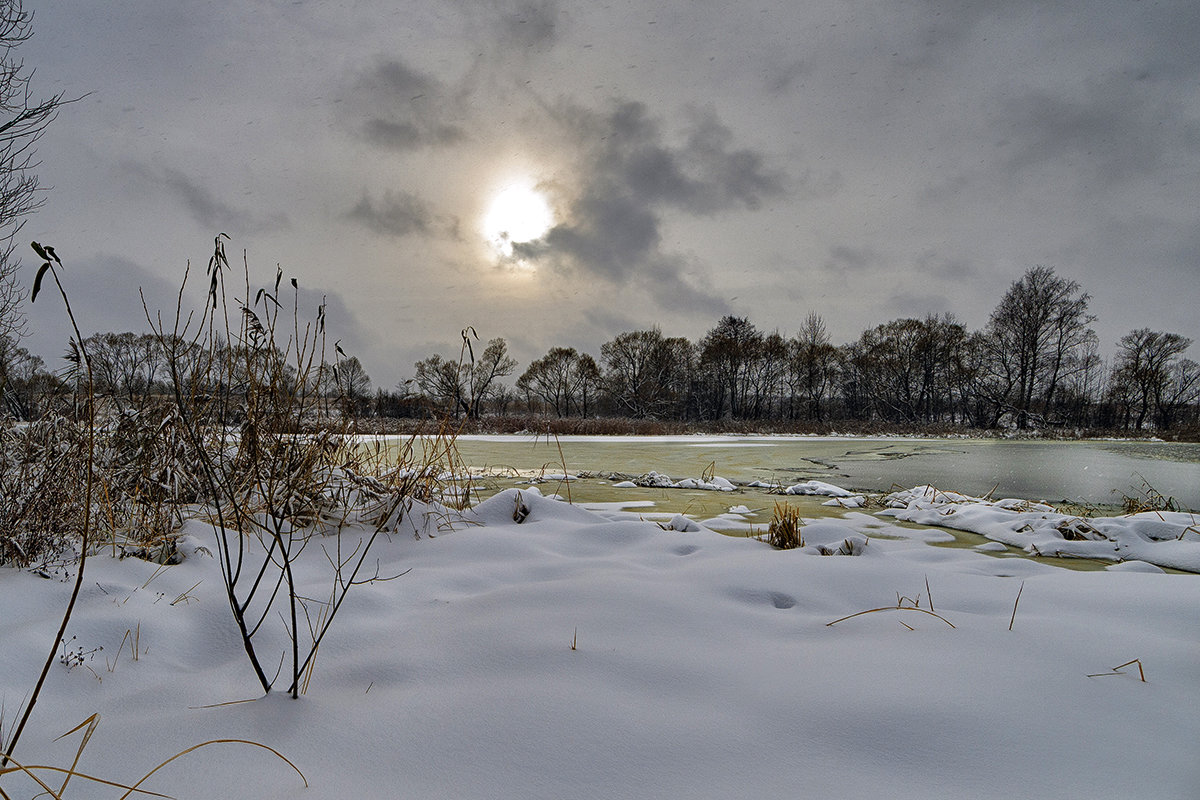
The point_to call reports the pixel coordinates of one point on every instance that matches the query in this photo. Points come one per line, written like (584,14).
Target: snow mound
(1163,538)
(819,488)
(657,480)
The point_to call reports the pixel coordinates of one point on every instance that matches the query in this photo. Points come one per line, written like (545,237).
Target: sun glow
(518,214)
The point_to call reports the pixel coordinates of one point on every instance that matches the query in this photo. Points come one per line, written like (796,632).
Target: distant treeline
(1035,365)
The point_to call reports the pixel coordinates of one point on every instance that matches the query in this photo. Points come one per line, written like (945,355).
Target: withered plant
(277,467)
(785,532)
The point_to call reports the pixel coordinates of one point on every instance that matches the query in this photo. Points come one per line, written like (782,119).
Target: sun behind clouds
(518,213)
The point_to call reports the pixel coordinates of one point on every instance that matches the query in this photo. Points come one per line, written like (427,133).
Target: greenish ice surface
(1091,473)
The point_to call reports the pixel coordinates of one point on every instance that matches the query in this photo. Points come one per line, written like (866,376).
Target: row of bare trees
(133,370)
(1035,364)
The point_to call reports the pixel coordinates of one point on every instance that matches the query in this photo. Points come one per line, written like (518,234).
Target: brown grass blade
(892,608)
(212,742)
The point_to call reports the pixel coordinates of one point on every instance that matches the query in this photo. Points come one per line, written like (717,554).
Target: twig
(1117,670)
(1014,614)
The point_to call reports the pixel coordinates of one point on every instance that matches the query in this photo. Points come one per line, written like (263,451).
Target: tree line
(1035,364)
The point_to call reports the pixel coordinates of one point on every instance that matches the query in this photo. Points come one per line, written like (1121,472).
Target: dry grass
(1013,618)
(1117,670)
(42,467)
(891,608)
(1148,499)
(87,728)
(785,531)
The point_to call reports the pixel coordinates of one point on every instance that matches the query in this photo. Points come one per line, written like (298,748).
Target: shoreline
(612,427)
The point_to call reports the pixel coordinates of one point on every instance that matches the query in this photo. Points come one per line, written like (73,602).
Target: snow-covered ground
(592,654)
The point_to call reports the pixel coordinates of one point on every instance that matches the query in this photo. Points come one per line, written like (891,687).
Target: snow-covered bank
(582,654)
(1165,538)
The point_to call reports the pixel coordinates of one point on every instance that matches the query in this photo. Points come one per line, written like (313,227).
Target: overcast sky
(863,160)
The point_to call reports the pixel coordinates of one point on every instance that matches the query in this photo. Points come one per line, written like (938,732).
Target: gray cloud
(782,77)
(511,30)
(405,109)
(933,264)
(700,176)
(917,305)
(397,214)
(1115,131)
(106,292)
(666,279)
(530,24)
(855,259)
(208,209)
(631,174)
(340,322)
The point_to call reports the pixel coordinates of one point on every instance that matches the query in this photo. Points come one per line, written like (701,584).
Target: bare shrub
(278,472)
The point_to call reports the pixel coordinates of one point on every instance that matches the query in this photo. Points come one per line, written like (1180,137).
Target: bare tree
(22,122)
(551,379)
(562,378)
(645,373)
(814,365)
(1036,333)
(728,354)
(482,380)
(464,385)
(443,382)
(353,386)
(126,366)
(1149,369)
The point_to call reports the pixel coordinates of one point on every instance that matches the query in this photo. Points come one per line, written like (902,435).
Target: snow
(657,480)
(588,653)
(1164,538)
(818,488)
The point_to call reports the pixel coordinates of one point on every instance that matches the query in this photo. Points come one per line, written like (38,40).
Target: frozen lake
(1092,472)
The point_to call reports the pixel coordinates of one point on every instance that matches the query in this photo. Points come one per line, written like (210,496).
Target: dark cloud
(610,235)
(397,214)
(396,135)
(405,109)
(729,178)
(208,209)
(630,175)
(530,24)
(1115,131)
(782,77)
(934,264)
(667,280)
(855,259)
(106,292)
(701,175)
(398,79)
